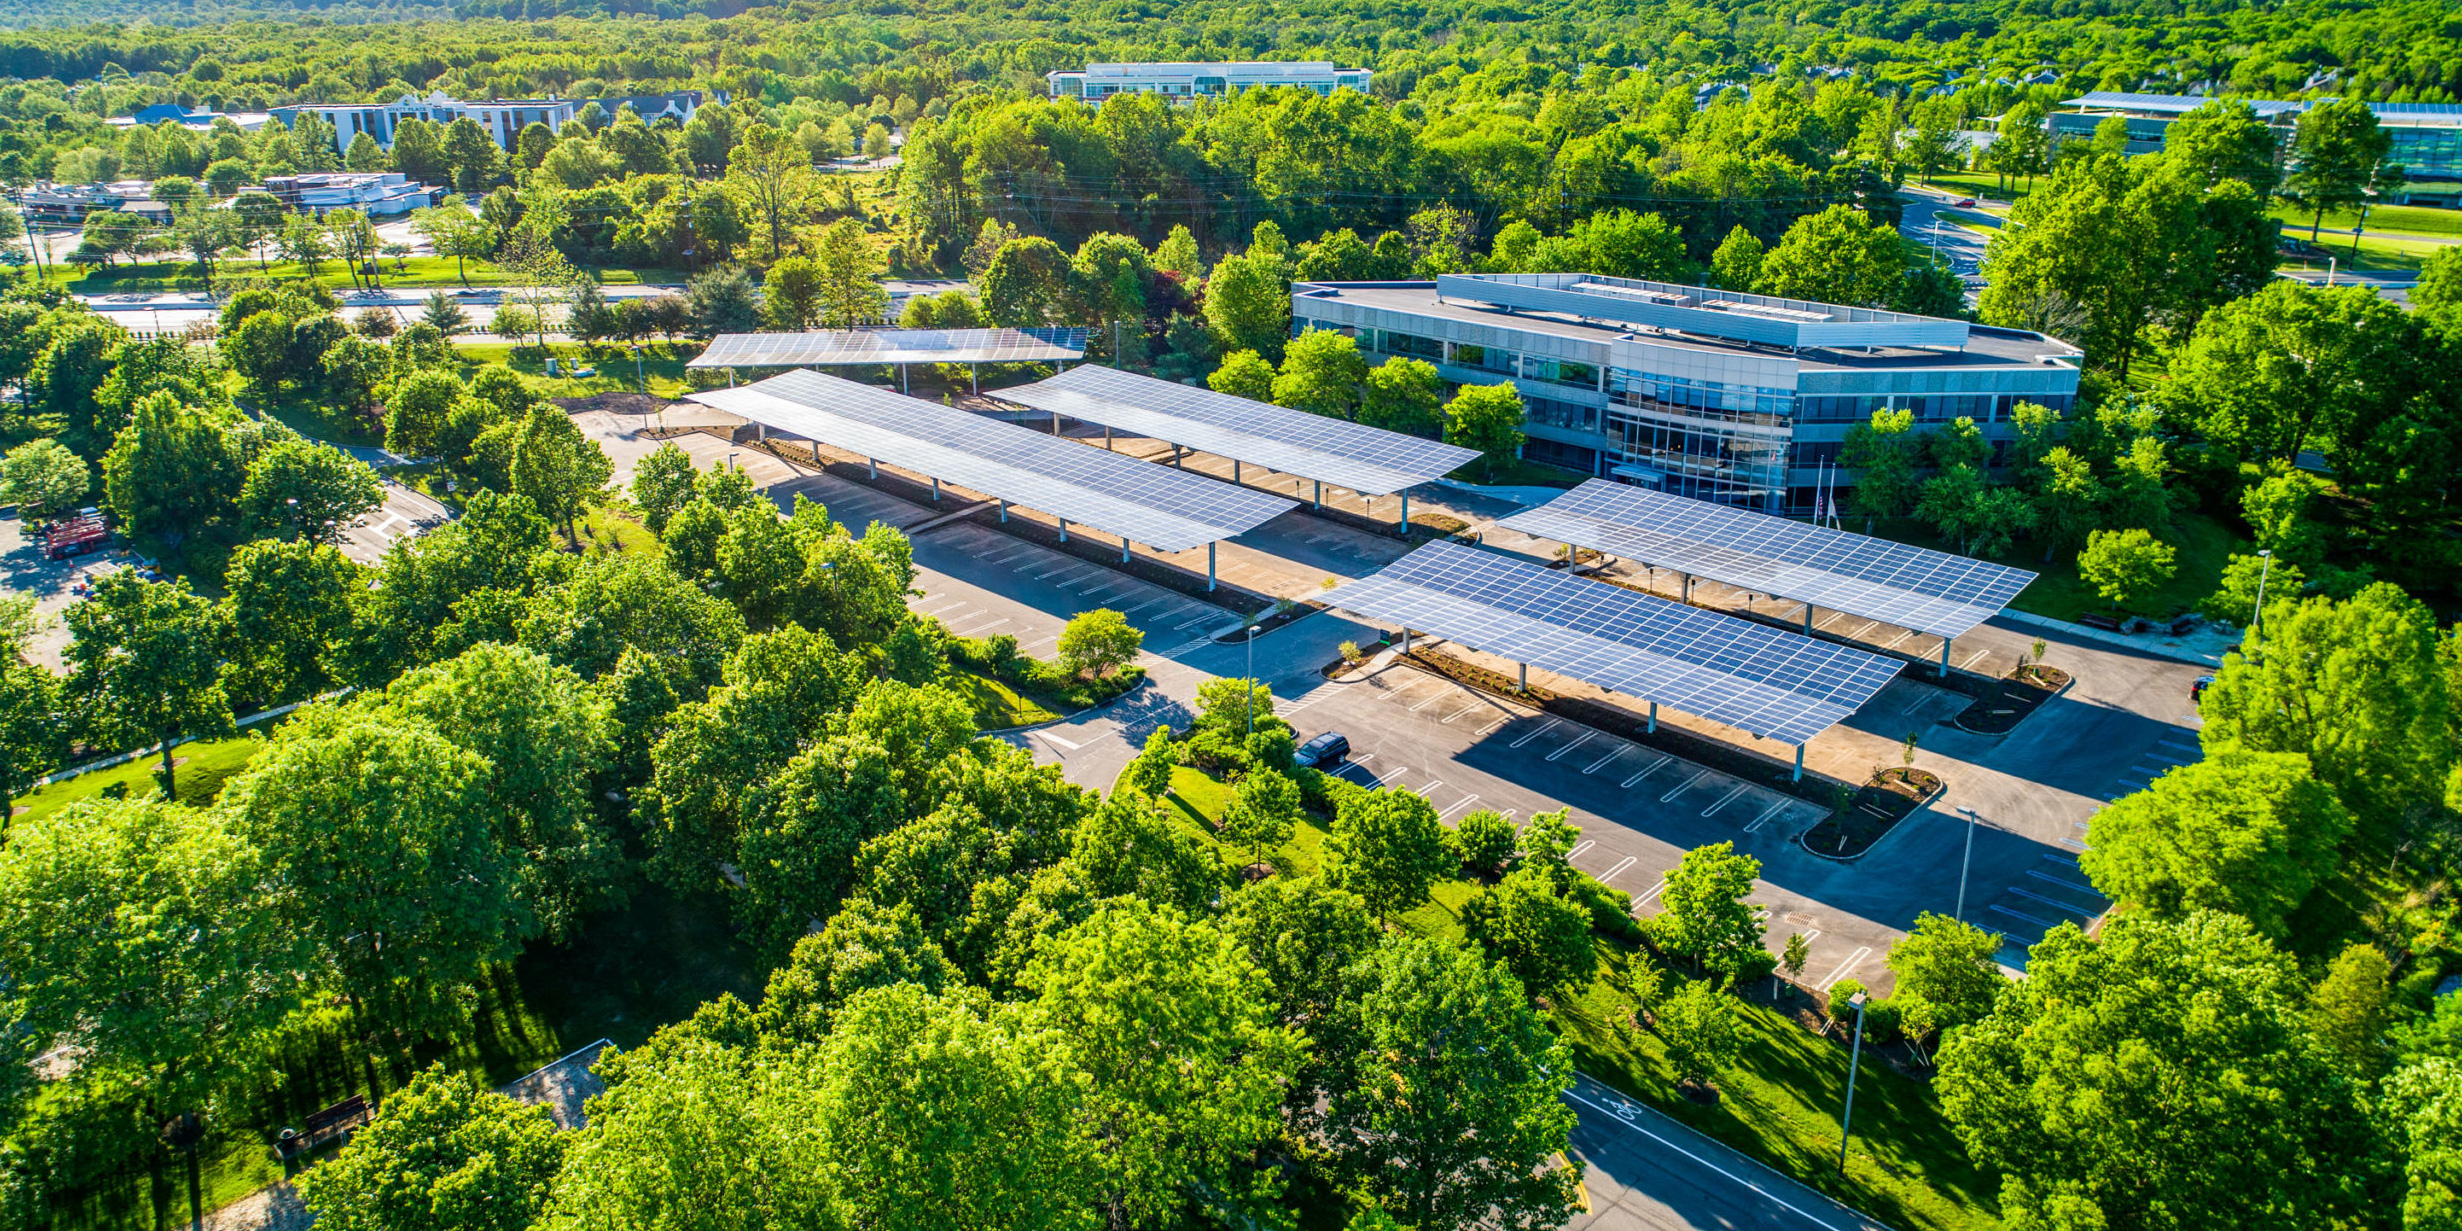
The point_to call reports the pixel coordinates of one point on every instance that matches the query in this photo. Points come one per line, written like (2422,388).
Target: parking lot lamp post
(1965,863)
(1250,677)
(2256,623)
(1855,1059)
(638,378)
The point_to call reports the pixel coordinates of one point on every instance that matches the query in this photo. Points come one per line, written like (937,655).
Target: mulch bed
(618,403)
(1998,709)
(1715,754)
(1871,812)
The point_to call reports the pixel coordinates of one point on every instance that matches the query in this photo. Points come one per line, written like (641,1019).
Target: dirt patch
(1875,808)
(1999,708)
(616,403)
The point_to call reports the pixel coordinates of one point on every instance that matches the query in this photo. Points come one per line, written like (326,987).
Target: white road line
(1458,713)
(1578,741)
(1892,643)
(1424,789)
(1833,618)
(1610,874)
(1037,642)
(1683,786)
(1655,766)
(981,629)
(1188,624)
(1654,892)
(1845,966)
(2173,743)
(1766,814)
(1482,732)
(1552,724)
(2166,760)
(1432,698)
(1612,754)
(1071,745)
(1858,634)
(1724,800)
(1464,802)
(1578,848)
(1972,659)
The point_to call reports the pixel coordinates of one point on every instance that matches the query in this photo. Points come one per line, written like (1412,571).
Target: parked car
(1324,751)
(2197,691)
(1964,203)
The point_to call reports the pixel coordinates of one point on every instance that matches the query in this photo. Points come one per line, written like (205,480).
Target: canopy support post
(1525,685)
(1004,512)
(1106,437)
(936,489)
(1807,619)
(1404,525)
(1320,495)
(1055,423)
(1235,472)
(1406,641)
(974,378)
(873,465)
(902,387)
(1209,566)
(1124,549)
(1945,657)
(1653,718)
(1064,529)
(1799,762)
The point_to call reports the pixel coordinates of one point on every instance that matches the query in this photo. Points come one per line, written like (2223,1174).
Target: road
(1649,1173)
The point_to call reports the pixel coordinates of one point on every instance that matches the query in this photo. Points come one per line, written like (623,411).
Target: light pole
(638,378)
(1846,1122)
(1965,863)
(2256,621)
(1249,678)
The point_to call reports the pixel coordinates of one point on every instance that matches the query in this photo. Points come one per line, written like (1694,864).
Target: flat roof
(864,347)
(2416,114)
(1767,682)
(1912,587)
(1984,345)
(1166,509)
(1369,460)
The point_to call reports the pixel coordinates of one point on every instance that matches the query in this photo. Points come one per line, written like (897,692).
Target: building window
(1567,415)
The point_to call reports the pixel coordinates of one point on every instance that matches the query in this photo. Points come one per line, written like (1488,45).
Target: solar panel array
(1369,460)
(846,347)
(1768,682)
(1912,587)
(1168,510)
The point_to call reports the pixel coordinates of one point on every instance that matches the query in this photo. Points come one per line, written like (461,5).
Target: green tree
(444,315)
(1487,841)
(1703,1037)
(1882,453)
(1706,917)
(454,231)
(1248,303)
(2125,566)
(1487,418)
(561,471)
(1098,642)
(2235,600)
(1150,773)
(849,269)
(2337,157)
(1736,265)
(2211,1105)
(43,479)
(289,611)
(300,489)
(1388,847)
(145,665)
(791,295)
(2280,516)
(2421,1107)
(722,300)
(443,1151)
(1244,374)
(1027,284)
(1170,1054)
(1836,256)
(2347,1008)
(2224,139)
(1542,936)
(662,484)
(1264,808)
(1447,1109)
(1952,966)
(1932,145)
(1322,373)
(2247,832)
(1404,395)
(1178,254)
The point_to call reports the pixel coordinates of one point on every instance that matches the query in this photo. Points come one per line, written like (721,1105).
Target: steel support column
(1064,529)
(1653,718)
(1405,524)
(1525,686)
(1799,762)
(1209,565)
(1945,658)
(936,489)
(1320,495)
(1004,512)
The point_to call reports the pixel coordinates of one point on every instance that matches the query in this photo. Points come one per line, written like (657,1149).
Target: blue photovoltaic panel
(1368,460)
(859,347)
(1166,509)
(1762,680)
(1928,591)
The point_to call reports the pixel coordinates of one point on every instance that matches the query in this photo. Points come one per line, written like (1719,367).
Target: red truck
(75,535)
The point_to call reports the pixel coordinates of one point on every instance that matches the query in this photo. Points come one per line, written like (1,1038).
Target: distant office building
(147,117)
(1716,395)
(1096,82)
(64,204)
(378,194)
(2427,136)
(503,119)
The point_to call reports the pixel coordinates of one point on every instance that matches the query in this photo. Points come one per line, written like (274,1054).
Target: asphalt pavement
(1649,1173)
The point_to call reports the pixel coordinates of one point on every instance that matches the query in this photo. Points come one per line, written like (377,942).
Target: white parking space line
(1612,754)
(980,629)
(1578,848)
(1763,819)
(1188,624)
(1551,725)
(1071,745)
(1683,786)
(1424,789)
(1892,643)
(1655,766)
(1578,741)
(1843,967)
(1972,659)
(1724,800)
(1644,899)
(1500,721)
(1467,709)
(1446,813)
(1869,625)
(2173,743)
(1432,698)
(1830,619)
(1610,874)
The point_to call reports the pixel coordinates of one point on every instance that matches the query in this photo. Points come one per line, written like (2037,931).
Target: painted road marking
(1578,848)
(1845,966)
(1684,786)
(1425,788)
(1858,634)
(1655,766)
(1972,659)
(1482,732)
(1763,819)
(1892,643)
(1551,725)
(981,629)
(1578,741)
(1724,800)
(2173,743)
(1071,745)
(1593,767)
(1458,805)
(1624,1114)
(1644,899)
(1834,617)
(1432,698)
(1610,874)
(1458,713)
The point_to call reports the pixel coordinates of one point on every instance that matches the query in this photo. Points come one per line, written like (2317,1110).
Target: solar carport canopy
(1774,684)
(830,348)
(1928,591)
(1368,460)
(1166,509)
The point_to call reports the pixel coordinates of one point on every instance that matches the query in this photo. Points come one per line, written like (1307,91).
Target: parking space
(404,513)
(2051,892)
(985,584)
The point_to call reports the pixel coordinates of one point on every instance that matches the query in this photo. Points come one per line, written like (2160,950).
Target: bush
(1487,841)
(1097,643)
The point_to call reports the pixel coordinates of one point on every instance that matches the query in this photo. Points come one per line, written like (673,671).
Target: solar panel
(1166,509)
(1912,587)
(1766,681)
(847,347)
(1369,460)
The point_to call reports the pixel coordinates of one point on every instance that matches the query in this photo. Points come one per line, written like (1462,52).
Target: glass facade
(1706,439)
(1928,407)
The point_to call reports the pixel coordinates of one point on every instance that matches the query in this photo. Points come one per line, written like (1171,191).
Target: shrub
(1487,841)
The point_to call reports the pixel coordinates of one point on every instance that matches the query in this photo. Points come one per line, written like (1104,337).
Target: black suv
(1324,751)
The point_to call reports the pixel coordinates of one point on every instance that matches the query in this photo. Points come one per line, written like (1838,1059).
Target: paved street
(1649,1173)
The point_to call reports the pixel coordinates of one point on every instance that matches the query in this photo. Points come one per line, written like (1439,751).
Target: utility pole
(1846,1122)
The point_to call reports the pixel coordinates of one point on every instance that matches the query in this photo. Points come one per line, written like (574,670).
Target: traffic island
(2002,704)
(1863,817)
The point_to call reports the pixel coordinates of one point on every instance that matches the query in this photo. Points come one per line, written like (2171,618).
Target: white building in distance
(502,118)
(1180,82)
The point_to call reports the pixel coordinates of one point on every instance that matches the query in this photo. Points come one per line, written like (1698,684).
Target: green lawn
(204,766)
(998,707)
(2202,542)
(2380,252)
(1779,1105)
(2396,219)
(662,365)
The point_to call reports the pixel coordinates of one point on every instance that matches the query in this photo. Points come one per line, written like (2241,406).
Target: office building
(202,121)
(2427,137)
(1180,82)
(378,194)
(1716,395)
(502,119)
